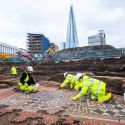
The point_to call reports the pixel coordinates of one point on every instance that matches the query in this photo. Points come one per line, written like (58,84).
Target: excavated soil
(50,74)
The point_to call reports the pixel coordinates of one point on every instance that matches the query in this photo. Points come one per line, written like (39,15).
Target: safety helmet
(29,68)
(78,75)
(65,74)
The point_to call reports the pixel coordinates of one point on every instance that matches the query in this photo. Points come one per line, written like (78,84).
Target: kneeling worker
(26,82)
(96,88)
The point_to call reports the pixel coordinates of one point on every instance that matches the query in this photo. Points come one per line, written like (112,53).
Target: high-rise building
(9,49)
(37,44)
(72,38)
(98,39)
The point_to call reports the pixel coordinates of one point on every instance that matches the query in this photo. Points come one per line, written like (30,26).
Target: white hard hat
(78,75)
(65,74)
(29,68)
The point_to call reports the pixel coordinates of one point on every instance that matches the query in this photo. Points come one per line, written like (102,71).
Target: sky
(50,17)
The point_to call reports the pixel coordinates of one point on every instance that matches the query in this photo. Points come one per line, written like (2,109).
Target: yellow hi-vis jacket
(70,79)
(96,88)
(13,70)
(29,88)
(79,84)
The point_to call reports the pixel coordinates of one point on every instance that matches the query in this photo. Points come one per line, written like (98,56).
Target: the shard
(72,38)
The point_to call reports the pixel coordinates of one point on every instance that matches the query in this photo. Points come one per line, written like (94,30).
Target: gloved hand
(110,95)
(26,84)
(74,98)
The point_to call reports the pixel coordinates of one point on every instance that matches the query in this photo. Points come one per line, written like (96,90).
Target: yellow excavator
(5,56)
(51,50)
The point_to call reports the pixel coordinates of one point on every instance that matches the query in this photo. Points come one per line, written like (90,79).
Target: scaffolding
(37,44)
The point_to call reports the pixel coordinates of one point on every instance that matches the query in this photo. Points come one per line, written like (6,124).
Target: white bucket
(37,85)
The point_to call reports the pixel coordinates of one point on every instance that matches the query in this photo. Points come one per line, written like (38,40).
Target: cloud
(50,17)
